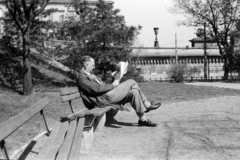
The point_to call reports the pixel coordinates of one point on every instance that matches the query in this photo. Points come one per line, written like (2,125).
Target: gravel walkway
(194,130)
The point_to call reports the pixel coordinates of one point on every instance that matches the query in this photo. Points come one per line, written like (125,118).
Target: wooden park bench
(67,138)
(64,141)
(94,118)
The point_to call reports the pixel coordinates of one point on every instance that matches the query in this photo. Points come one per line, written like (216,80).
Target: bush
(177,71)
(235,65)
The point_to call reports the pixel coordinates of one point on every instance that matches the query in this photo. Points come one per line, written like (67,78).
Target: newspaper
(121,70)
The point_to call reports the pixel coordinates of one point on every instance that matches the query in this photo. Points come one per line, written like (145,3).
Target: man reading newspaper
(121,70)
(96,93)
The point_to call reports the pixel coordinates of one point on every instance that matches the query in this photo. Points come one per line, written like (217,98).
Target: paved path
(195,130)
(216,84)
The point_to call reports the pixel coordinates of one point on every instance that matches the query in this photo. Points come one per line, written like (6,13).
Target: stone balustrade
(157,68)
(155,61)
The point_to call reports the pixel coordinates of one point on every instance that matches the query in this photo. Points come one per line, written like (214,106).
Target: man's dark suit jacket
(92,92)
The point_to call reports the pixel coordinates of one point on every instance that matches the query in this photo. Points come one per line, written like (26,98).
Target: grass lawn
(12,103)
(177,92)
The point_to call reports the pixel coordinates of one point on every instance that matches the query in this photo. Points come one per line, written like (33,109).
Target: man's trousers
(128,92)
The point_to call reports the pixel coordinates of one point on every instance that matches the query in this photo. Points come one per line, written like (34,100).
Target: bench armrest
(98,111)
(83,112)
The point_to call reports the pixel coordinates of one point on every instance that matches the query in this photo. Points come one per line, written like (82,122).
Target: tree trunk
(27,73)
(53,63)
(226,67)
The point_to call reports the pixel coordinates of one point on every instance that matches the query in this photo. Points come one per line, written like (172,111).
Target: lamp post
(205,53)
(156,44)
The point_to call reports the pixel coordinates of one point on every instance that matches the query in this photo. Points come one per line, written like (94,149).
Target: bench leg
(87,140)
(88,135)
(99,123)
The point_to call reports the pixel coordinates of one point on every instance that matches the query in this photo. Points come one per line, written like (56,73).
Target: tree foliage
(235,65)
(98,31)
(219,16)
(10,66)
(24,14)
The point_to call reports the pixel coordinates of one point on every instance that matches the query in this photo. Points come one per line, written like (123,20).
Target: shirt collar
(86,72)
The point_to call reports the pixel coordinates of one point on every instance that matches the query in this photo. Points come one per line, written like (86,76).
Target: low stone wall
(157,69)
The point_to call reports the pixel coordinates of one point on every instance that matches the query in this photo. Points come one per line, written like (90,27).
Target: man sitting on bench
(97,93)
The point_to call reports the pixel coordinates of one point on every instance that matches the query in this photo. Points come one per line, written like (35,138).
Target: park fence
(195,79)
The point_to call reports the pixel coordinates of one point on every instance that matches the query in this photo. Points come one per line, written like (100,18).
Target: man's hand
(115,83)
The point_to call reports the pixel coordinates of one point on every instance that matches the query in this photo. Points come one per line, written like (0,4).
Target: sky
(154,13)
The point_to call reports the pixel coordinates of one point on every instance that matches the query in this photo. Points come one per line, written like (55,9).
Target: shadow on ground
(27,150)
(111,122)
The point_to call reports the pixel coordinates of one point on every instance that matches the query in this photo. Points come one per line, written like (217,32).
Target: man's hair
(85,59)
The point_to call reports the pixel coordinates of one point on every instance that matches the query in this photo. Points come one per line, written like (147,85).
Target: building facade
(155,62)
(63,9)
(199,43)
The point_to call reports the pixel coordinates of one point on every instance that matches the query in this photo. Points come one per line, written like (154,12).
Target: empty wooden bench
(64,141)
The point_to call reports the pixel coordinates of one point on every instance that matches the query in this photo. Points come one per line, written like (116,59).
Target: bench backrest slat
(70,97)
(68,90)
(9,126)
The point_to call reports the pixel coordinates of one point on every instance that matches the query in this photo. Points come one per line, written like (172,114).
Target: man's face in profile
(90,65)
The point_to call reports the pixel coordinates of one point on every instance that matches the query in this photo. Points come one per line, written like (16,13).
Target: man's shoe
(147,123)
(153,107)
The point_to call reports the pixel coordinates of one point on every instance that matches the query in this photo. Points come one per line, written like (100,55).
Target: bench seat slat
(70,97)
(52,152)
(76,146)
(11,125)
(80,113)
(49,142)
(94,111)
(98,111)
(68,90)
(66,147)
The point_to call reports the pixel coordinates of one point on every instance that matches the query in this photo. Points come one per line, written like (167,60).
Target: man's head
(88,63)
